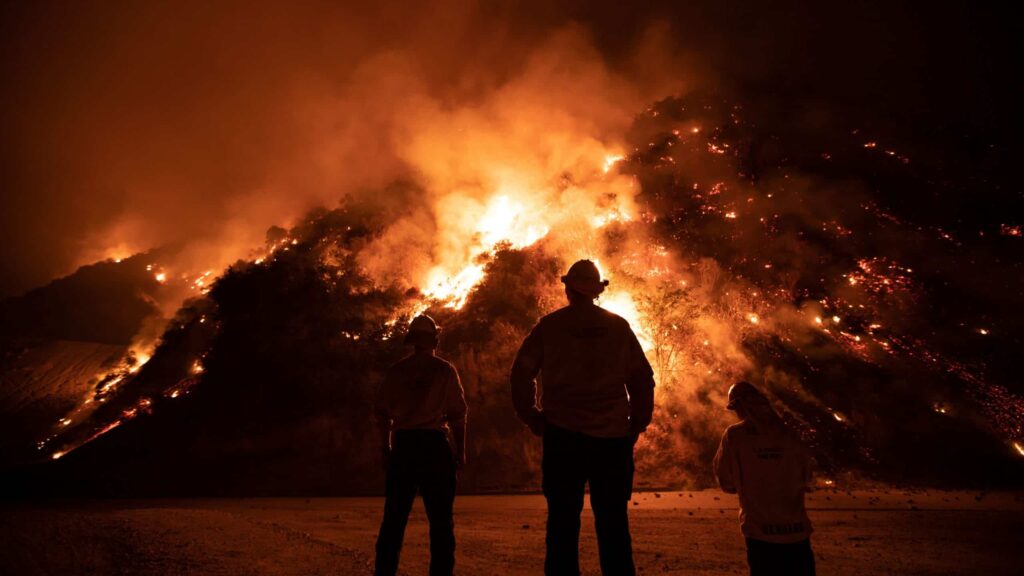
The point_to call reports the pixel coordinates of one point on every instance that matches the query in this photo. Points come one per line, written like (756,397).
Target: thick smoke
(129,126)
(140,127)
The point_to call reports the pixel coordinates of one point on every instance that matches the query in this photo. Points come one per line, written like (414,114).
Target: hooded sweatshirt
(770,469)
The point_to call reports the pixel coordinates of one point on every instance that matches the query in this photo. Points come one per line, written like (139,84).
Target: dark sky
(155,123)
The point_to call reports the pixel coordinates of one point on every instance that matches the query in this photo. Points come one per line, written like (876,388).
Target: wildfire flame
(621,303)
(518,218)
(505,221)
(610,161)
(485,194)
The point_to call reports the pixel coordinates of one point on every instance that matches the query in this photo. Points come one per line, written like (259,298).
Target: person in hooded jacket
(764,462)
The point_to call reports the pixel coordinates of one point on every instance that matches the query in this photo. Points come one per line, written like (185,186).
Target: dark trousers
(419,459)
(771,559)
(570,461)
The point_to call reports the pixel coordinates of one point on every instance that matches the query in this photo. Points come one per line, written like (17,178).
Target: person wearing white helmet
(597,397)
(420,400)
(765,463)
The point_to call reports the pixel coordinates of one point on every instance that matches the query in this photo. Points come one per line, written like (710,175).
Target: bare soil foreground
(861,532)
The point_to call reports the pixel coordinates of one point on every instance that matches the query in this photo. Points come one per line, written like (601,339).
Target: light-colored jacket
(421,393)
(594,376)
(770,470)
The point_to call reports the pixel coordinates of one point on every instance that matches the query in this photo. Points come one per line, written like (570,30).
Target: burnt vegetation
(292,347)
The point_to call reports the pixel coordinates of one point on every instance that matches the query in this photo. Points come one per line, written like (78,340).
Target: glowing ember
(610,161)
(58,455)
(109,384)
(140,360)
(454,290)
(104,430)
(880,276)
(1019,447)
(604,219)
(160,277)
(200,282)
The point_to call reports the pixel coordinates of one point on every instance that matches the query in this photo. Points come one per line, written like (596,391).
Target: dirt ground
(857,533)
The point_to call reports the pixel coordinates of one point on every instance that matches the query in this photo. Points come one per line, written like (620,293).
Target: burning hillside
(736,249)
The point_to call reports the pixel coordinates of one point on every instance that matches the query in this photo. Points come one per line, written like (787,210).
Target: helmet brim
(418,337)
(585,286)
